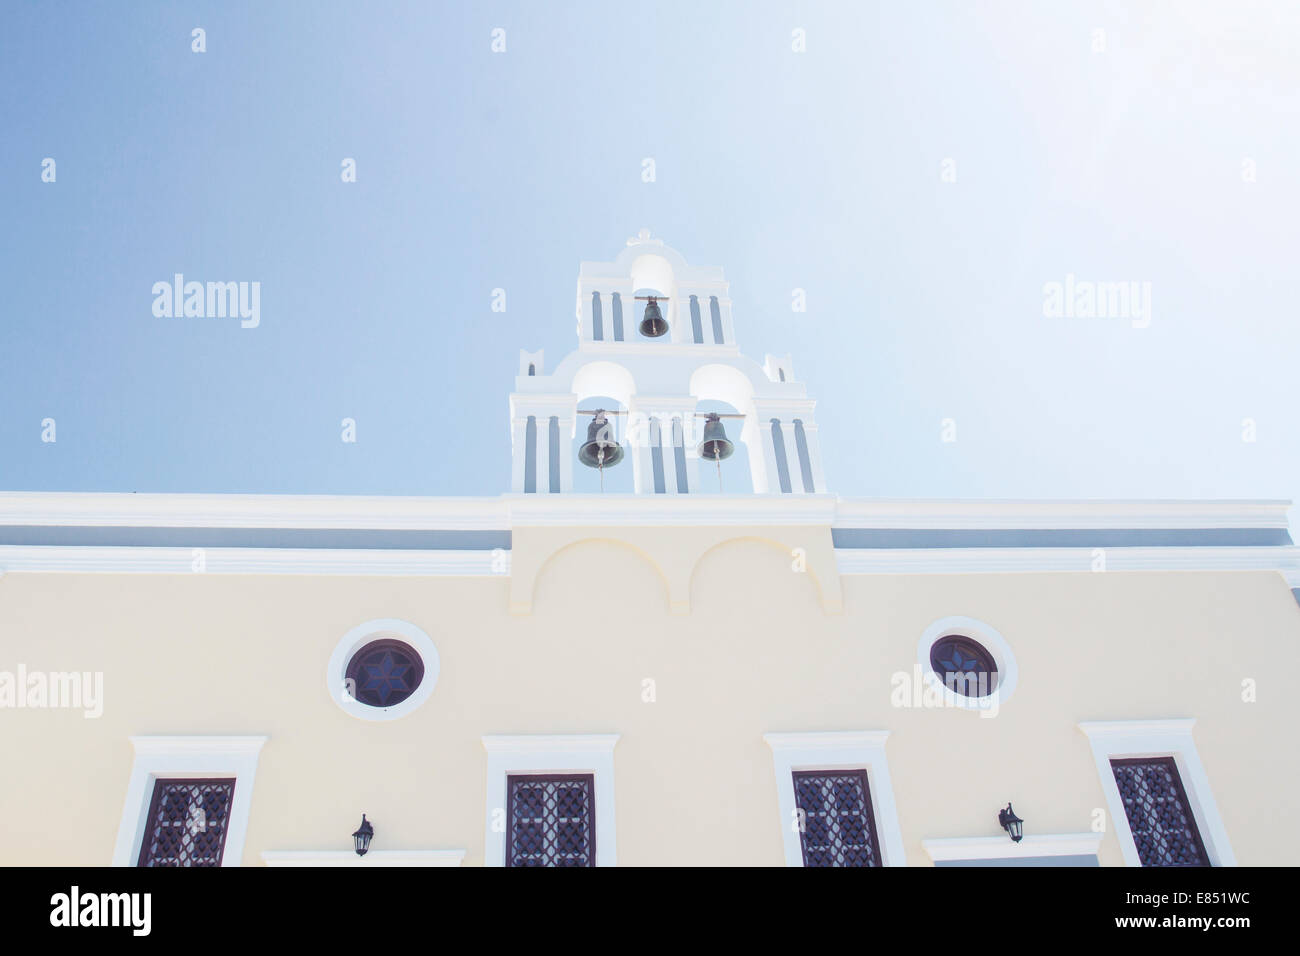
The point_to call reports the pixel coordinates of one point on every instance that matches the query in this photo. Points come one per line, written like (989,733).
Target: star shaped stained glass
(385,673)
(956,657)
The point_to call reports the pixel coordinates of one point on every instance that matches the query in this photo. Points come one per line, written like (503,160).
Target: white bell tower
(658,383)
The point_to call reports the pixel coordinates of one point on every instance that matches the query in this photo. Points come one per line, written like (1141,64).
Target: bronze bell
(715,446)
(600,450)
(653,324)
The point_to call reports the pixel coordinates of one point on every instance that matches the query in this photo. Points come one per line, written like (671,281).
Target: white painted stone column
(674,422)
(728,327)
(638,434)
(543,454)
(815,457)
(762,453)
(584,315)
(567,453)
(606,319)
(791,458)
(679,329)
(519,452)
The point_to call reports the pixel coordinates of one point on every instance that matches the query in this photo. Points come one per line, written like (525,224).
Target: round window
(964,665)
(384,673)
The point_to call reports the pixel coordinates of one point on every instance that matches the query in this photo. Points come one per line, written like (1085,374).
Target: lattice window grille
(1159,815)
(552,820)
(839,828)
(187,823)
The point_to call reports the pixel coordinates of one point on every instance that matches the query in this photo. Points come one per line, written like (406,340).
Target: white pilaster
(567,453)
(679,328)
(815,458)
(543,454)
(728,327)
(584,316)
(792,458)
(762,454)
(519,452)
(638,439)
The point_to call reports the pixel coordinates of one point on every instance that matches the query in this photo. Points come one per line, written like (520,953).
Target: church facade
(669,643)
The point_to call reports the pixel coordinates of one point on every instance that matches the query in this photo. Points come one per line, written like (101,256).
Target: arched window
(716,312)
(697,331)
(782,467)
(530,456)
(597,326)
(805,462)
(618,317)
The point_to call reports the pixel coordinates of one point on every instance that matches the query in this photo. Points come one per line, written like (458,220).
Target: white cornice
(501,512)
(251,511)
(135,560)
(1285,559)
(993,513)
(1002,848)
(393,562)
(696,510)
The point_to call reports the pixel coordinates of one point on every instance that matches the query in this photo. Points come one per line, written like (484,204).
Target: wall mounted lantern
(361,839)
(1014,826)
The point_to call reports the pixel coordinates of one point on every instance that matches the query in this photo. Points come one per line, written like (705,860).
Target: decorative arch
(674,560)
(524,579)
(784,547)
(604,378)
(723,383)
(650,271)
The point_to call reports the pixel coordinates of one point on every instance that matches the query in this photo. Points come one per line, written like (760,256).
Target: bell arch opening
(617,477)
(734,471)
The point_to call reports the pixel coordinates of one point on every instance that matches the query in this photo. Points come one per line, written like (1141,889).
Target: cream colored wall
(210,654)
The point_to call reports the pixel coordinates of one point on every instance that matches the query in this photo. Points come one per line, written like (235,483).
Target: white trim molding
(357,638)
(99,559)
(1002,848)
(382,858)
(836,750)
(987,637)
(1053,513)
(165,758)
(1020,560)
(1120,739)
(510,755)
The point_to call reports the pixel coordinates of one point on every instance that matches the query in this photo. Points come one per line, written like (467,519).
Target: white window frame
(991,640)
(514,755)
(837,750)
(1122,739)
(363,634)
(180,758)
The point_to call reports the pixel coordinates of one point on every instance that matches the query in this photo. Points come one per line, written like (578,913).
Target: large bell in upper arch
(600,450)
(716,446)
(653,324)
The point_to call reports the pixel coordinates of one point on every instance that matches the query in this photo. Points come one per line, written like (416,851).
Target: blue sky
(818,170)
